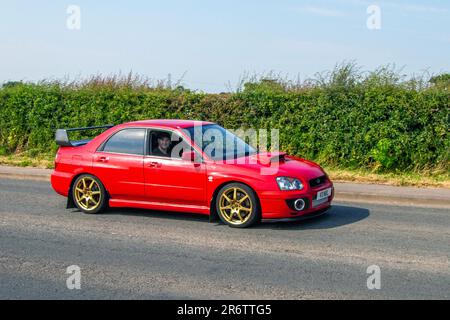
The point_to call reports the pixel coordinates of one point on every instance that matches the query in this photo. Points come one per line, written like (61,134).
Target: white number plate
(323,194)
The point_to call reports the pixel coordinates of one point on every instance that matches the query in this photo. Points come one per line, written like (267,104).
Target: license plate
(323,194)
(317,203)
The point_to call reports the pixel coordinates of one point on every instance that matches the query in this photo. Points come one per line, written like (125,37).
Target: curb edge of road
(19,176)
(362,197)
(391,200)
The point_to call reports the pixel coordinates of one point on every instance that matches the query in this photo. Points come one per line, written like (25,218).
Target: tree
(11,84)
(441,81)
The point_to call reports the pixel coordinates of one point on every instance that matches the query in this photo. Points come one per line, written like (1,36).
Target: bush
(344,118)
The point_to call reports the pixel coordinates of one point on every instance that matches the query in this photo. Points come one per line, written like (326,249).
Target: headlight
(286,183)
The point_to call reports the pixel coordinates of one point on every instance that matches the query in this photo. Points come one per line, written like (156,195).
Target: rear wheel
(89,194)
(237,205)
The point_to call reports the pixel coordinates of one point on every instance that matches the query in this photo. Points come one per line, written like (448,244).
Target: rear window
(129,141)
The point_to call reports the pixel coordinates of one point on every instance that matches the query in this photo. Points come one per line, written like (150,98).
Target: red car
(188,166)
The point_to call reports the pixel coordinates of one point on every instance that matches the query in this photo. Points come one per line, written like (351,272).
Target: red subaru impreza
(188,166)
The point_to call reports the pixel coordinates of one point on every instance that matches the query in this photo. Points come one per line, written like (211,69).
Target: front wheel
(237,205)
(89,194)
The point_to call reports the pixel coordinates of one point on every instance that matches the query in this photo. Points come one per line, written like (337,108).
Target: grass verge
(423,179)
(44,162)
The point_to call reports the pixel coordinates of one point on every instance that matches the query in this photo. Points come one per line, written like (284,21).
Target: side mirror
(188,156)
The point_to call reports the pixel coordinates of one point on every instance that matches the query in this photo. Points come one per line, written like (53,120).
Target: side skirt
(118,203)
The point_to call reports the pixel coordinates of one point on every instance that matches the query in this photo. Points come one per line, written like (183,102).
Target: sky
(210,45)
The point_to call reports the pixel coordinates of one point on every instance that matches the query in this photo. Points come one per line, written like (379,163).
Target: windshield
(218,143)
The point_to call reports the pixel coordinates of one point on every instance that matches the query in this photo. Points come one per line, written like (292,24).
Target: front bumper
(278,204)
(312,215)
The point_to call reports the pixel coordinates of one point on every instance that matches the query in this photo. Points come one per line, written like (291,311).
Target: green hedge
(383,126)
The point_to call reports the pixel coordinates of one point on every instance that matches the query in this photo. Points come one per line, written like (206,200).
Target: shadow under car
(336,216)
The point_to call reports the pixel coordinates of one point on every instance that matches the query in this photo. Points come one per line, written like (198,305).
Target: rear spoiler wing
(62,139)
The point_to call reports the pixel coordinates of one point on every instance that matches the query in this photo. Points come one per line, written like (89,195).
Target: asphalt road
(135,254)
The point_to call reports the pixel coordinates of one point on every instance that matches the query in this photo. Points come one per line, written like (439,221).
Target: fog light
(299,204)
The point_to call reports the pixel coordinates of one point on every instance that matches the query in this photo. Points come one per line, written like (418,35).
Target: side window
(129,141)
(167,144)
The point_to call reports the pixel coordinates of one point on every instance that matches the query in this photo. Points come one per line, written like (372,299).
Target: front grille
(317,181)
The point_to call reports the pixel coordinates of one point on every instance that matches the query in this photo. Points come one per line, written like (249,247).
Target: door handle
(154,165)
(103,159)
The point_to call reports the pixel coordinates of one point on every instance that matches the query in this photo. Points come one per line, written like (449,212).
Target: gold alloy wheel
(88,194)
(235,205)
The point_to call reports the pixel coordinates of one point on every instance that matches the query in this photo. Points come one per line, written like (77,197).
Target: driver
(162,150)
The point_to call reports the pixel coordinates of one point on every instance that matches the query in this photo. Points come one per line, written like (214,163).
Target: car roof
(169,123)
